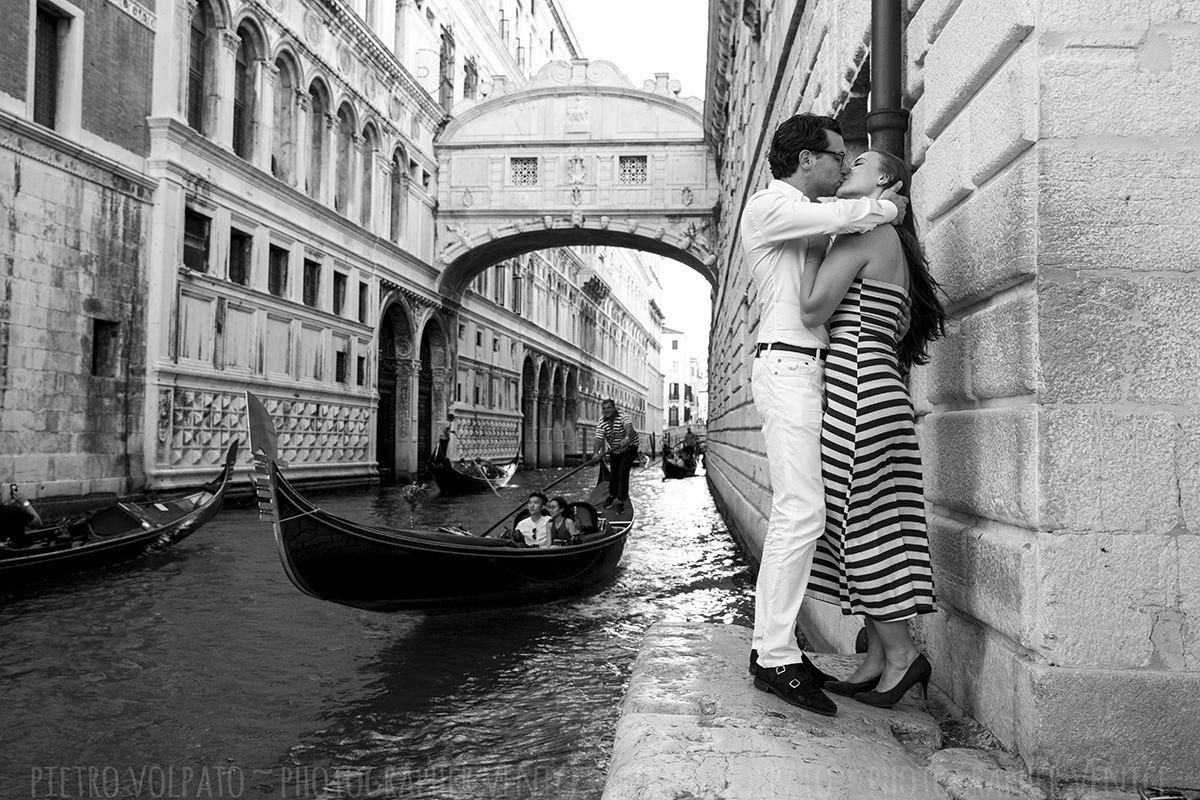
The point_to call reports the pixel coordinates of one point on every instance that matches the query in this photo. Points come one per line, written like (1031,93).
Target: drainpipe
(887,122)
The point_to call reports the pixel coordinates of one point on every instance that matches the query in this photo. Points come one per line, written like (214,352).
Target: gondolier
(615,435)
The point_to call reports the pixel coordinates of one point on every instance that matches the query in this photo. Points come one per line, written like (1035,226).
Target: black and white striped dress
(874,556)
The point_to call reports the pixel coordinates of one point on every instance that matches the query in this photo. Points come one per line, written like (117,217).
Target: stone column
(557,449)
(263,127)
(407,375)
(530,438)
(329,189)
(383,195)
(223,81)
(545,429)
(303,147)
(354,178)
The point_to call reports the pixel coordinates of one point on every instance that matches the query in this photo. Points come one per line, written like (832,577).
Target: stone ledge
(692,725)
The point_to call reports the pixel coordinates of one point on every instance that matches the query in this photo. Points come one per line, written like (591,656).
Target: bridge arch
(577,156)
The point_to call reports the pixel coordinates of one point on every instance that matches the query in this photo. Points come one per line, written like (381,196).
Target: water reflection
(206,657)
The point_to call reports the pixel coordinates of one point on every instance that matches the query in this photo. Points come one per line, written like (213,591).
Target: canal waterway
(201,671)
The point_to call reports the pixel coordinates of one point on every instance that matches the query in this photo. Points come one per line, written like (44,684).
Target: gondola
(117,532)
(383,569)
(469,475)
(677,468)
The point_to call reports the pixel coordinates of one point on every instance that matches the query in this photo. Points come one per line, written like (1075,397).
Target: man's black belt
(812,352)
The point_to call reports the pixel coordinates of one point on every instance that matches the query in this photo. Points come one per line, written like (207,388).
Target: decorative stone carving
(578,110)
(686,195)
(468,199)
(548,221)
(415,128)
(576,170)
(604,223)
(493,233)
(313,28)
(632,224)
(660,232)
(370,84)
(463,233)
(576,195)
(396,109)
(577,218)
(345,59)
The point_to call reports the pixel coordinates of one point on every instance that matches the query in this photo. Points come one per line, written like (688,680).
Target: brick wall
(14,42)
(118,55)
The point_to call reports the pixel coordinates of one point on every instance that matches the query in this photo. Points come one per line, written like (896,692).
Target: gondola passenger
(562,526)
(534,530)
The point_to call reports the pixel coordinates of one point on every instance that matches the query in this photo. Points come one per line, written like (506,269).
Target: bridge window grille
(633,169)
(524,171)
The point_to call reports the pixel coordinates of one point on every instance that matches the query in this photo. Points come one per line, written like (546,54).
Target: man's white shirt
(775,228)
(537,534)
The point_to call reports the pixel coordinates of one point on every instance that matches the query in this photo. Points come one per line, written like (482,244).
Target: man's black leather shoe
(814,672)
(794,686)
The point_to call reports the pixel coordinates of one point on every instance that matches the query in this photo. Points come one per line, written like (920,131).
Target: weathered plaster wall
(1059,426)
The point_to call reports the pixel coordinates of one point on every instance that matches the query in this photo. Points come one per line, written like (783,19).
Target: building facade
(685,385)
(1058,420)
(241,196)
(75,92)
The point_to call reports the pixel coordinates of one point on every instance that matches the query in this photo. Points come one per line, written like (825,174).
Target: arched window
(197,67)
(243,96)
(318,109)
(399,165)
(283,144)
(345,151)
(370,148)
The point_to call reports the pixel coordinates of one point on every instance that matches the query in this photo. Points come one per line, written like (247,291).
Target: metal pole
(887,122)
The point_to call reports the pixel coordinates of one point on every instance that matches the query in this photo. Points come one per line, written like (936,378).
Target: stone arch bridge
(577,156)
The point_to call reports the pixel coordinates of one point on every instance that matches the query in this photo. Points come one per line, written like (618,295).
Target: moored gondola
(383,569)
(120,531)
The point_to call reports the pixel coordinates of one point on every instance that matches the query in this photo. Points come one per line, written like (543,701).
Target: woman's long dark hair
(927,316)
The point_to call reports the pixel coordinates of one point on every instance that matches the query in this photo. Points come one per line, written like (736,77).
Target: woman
(562,527)
(874,557)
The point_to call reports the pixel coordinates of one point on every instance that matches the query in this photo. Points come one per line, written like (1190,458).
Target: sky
(643,37)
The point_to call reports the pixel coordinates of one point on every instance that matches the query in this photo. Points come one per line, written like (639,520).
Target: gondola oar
(544,488)
(478,466)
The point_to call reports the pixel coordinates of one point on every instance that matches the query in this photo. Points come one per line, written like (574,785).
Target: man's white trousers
(788,391)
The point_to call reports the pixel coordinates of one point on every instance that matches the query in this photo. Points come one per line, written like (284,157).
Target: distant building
(684,384)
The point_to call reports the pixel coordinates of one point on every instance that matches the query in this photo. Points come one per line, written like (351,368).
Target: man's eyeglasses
(841,157)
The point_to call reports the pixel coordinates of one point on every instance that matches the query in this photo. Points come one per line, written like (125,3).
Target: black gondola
(676,466)
(469,475)
(120,531)
(381,569)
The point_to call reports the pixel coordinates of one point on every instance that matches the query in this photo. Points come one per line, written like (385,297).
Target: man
(616,435)
(807,162)
(16,513)
(689,445)
(535,529)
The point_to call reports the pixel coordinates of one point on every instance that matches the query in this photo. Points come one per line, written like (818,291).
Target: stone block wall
(70,262)
(1056,161)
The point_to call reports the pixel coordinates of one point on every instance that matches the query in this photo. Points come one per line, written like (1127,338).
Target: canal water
(201,671)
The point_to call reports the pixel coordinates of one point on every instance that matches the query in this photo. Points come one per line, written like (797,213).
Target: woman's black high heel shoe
(919,671)
(849,689)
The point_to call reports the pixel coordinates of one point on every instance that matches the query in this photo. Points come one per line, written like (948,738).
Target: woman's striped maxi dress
(874,556)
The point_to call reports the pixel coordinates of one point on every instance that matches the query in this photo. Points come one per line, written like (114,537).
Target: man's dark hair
(537,494)
(801,132)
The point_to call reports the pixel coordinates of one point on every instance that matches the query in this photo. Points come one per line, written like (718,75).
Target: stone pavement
(693,727)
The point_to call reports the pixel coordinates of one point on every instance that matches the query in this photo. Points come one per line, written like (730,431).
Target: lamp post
(887,121)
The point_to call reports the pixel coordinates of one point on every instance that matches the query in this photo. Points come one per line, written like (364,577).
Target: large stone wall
(71,263)
(1059,419)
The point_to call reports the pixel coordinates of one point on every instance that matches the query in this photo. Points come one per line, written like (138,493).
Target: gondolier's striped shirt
(613,431)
